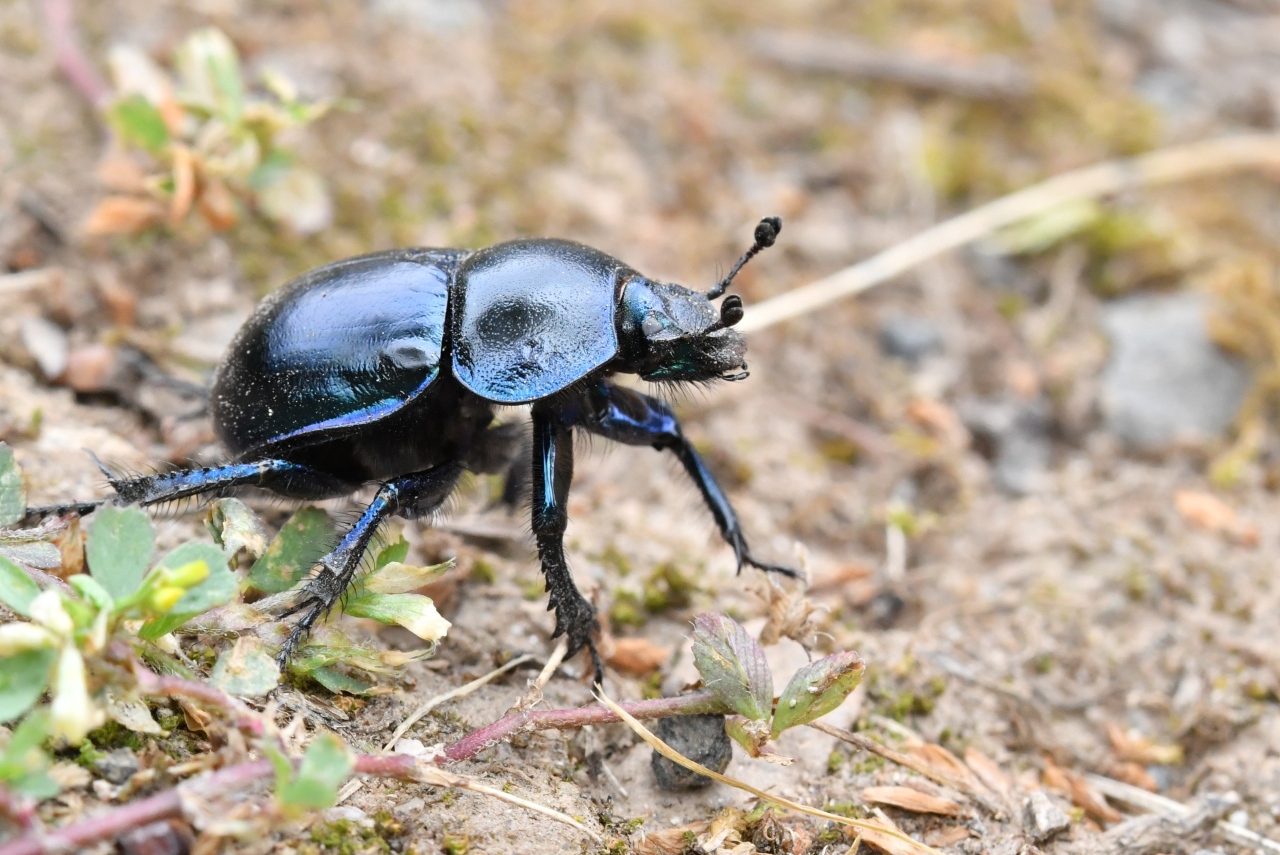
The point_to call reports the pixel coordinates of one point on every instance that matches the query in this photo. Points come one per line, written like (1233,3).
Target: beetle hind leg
(412,495)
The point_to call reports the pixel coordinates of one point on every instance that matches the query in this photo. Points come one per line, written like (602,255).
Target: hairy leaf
(17,589)
(235,527)
(23,679)
(119,549)
(13,495)
(414,612)
(303,540)
(325,765)
(732,665)
(246,670)
(817,689)
(139,122)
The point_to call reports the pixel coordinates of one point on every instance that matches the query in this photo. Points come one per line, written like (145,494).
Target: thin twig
(441,778)
(533,695)
(676,757)
(868,744)
(459,692)
(1179,163)
(987,78)
(1156,803)
(527,721)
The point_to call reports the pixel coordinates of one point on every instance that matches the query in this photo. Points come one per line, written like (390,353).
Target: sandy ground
(1074,626)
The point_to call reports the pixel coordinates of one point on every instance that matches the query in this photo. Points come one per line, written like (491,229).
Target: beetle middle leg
(412,496)
(552,474)
(633,418)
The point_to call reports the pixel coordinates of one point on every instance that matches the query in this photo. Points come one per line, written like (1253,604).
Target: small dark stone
(702,739)
(167,837)
(117,766)
(909,339)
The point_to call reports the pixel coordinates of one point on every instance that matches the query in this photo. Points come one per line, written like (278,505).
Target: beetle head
(671,333)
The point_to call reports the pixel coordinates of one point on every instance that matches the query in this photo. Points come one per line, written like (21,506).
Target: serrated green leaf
(119,549)
(817,689)
(325,765)
(91,592)
(732,665)
(396,578)
(246,670)
(235,527)
(303,540)
(23,679)
(336,681)
(13,494)
(138,121)
(17,589)
(219,587)
(414,612)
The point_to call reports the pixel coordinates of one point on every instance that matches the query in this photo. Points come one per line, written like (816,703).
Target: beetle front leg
(552,474)
(633,418)
(413,495)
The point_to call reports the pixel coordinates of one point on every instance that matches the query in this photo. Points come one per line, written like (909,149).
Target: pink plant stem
(169,804)
(135,814)
(60,20)
(20,810)
(528,721)
(150,683)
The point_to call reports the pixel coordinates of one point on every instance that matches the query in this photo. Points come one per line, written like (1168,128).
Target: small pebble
(1041,818)
(117,766)
(702,739)
(908,338)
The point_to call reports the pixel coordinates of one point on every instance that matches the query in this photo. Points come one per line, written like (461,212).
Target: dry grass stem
(441,778)
(461,691)
(533,695)
(1165,166)
(676,757)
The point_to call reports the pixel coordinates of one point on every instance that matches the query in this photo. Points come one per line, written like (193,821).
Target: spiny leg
(291,479)
(552,474)
(633,418)
(412,495)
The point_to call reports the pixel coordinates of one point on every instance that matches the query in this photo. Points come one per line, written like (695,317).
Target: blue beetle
(387,369)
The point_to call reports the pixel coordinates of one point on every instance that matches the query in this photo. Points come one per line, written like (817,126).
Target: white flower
(47,610)
(72,713)
(18,637)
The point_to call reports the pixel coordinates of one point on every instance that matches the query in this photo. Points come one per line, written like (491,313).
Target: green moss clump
(668,588)
(626,610)
(457,844)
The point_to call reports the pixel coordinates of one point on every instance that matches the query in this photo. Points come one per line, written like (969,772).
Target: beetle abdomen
(341,346)
(532,317)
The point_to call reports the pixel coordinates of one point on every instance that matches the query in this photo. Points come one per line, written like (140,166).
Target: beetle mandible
(387,369)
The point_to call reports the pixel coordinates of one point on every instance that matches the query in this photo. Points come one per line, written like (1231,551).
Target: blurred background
(1033,480)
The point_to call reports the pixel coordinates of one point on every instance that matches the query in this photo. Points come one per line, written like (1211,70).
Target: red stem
(528,721)
(60,19)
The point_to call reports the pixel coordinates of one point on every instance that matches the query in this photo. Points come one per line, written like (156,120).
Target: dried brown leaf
(1133,774)
(184,184)
(1206,511)
(216,204)
(1136,748)
(123,215)
(669,841)
(886,843)
(637,656)
(986,770)
(1081,793)
(911,800)
(122,174)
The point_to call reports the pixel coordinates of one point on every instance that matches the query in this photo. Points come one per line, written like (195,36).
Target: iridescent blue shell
(532,317)
(338,347)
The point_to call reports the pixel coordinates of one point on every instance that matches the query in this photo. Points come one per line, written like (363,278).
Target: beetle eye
(652,325)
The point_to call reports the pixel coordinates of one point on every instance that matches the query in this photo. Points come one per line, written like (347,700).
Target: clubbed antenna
(766,234)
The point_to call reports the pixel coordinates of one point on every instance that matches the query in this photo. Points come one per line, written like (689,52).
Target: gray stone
(1041,818)
(909,338)
(1014,433)
(1166,381)
(702,739)
(117,766)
